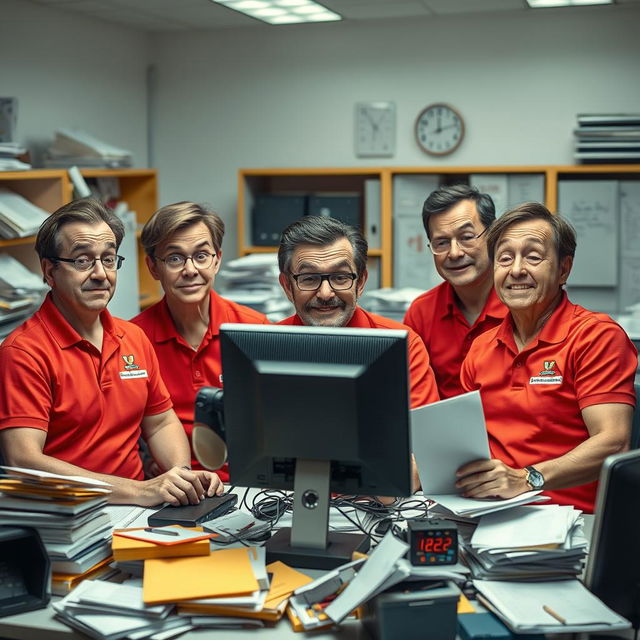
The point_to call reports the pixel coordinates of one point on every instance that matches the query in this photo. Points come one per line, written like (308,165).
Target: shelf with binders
(51,188)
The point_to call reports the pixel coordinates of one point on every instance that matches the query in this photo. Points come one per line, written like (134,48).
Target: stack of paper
(112,611)
(159,542)
(75,147)
(608,137)
(392,303)
(68,512)
(529,543)
(253,281)
(19,218)
(12,156)
(548,607)
(465,509)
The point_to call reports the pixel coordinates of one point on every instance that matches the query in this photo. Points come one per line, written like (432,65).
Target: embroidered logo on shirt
(129,363)
(548,375)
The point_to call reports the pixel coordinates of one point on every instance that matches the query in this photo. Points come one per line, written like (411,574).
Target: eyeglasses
(313,281)
(84,263)
(466,240)
(176,261)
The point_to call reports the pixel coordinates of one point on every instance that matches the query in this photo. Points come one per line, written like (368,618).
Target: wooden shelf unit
(51,188)
(297,180)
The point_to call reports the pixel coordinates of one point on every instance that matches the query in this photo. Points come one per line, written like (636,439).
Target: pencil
(554,614)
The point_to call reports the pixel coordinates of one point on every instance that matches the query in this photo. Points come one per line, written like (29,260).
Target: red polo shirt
(436,317)
(533,399)
(89,402)
(184,370)
(423,382)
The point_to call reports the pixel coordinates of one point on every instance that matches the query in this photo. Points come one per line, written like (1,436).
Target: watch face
(439,129)
(535,478)
(375,129)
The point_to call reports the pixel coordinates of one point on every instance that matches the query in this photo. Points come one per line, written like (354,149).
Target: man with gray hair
(323,270)
(78,387)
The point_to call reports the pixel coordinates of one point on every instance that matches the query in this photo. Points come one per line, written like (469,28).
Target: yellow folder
(125,549)
(227,572)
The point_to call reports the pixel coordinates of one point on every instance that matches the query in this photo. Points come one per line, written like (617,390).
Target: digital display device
(613,567)
(316,409)
(432,542)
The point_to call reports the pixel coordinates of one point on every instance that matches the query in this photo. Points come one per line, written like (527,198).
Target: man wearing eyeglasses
(78,387)
(450,316)
(323,270)
(183,243)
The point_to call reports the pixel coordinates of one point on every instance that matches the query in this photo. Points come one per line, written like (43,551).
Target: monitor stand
(309,543)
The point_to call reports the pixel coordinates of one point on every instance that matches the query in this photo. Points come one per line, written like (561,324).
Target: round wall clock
(439,129)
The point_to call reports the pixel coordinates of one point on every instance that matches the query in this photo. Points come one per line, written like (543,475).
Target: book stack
(527,544)
(607,138)
(19,218)
(69,514)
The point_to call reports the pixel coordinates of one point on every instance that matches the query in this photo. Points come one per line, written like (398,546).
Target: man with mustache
(79,387)
(450,316)
(323,270)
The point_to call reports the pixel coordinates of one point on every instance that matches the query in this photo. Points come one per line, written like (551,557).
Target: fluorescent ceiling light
(539,4)
(282,11)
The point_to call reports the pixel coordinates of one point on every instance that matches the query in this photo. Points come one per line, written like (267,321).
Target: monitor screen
(333,394)
(613,569)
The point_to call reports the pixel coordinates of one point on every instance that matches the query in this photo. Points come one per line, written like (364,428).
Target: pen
(554,614)
(164,532)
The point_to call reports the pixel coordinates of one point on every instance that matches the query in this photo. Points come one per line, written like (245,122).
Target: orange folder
(126,549)
(227,572)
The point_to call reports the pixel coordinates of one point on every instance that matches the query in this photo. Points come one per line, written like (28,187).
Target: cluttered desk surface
(571,529)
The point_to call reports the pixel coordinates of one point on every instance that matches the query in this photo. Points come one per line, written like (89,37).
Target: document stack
(18,217)
(253,281)
(528,543)
(21,293)
(74,147)
(12,157)
(608,137)
(109,611)
(391,303)
(69,514)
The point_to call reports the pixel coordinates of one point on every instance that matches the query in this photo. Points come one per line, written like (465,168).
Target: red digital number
(437,545)
(446,544)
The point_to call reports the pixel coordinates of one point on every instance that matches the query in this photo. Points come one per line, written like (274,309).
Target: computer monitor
(316,409)
(613,568)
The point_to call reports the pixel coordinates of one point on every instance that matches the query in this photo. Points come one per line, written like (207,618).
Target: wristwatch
(534,478)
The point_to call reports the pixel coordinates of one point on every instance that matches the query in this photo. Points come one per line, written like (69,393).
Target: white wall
(71,70)
(285,96)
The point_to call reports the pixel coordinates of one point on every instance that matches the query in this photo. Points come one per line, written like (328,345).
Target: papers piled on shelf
(75,147)
(565,606)
(253,281)
(389,302)
(529,543)
(10,157)
(67,511)
(608,137)
(19,218)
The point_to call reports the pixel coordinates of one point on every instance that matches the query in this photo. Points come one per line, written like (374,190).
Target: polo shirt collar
(165,329)
(554,331)
(63,333)
(493,307)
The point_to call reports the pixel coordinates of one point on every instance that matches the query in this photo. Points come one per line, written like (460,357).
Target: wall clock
(439,129)
(375,129)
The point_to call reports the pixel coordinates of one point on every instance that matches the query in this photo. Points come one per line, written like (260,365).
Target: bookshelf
(252,182)
(51,188)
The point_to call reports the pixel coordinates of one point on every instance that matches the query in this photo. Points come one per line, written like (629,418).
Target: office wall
(285,96)
(71,70)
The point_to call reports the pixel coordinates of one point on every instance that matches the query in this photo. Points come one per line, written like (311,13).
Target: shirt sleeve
(424,388)
(26,394)
(158,399)
(467,371)
(604,364)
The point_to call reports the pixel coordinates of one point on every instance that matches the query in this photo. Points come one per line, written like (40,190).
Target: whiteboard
(592,208)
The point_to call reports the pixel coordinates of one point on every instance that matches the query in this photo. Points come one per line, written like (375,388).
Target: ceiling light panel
(539,4)
(282,11)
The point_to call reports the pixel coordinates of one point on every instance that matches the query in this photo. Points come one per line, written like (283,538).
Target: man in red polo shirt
(78,387)
(556,380)
(449,316)
(323,272)
(183,243)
